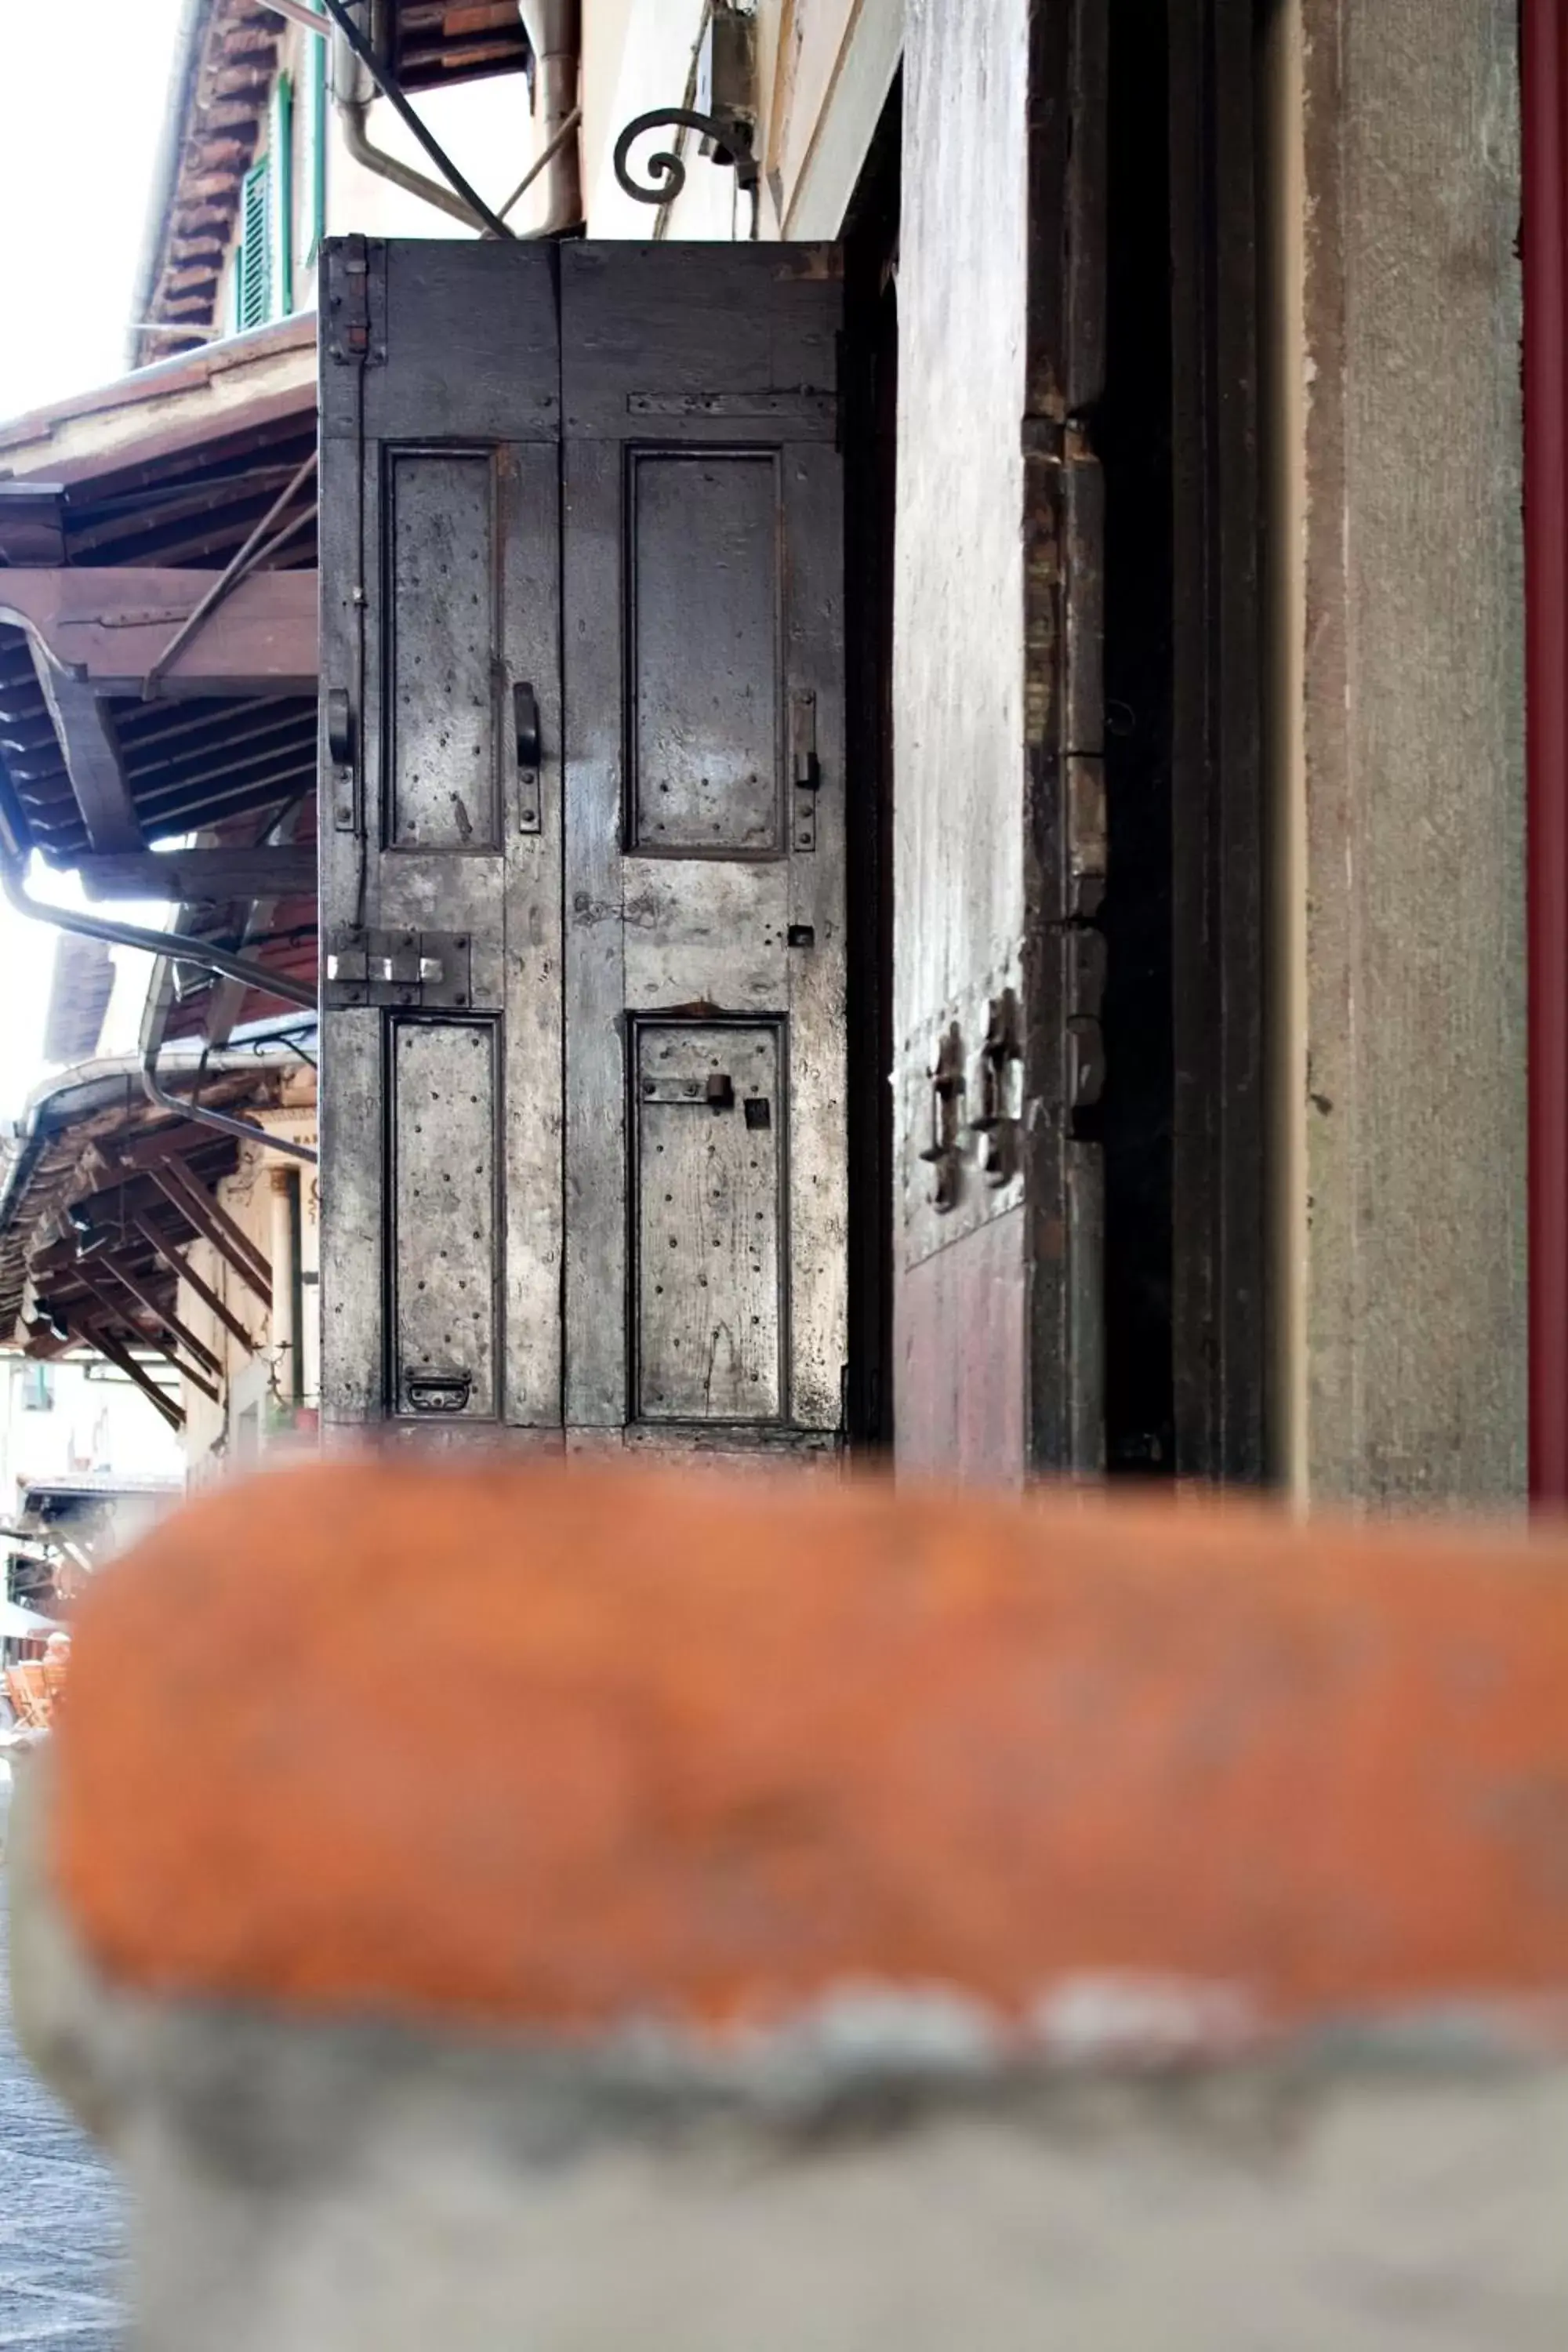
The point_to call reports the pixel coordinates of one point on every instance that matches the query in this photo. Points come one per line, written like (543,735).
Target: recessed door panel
(710,1211)
(444,1206)
(441,530)
(704,580)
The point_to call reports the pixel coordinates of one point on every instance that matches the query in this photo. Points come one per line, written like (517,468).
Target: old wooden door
(582,843)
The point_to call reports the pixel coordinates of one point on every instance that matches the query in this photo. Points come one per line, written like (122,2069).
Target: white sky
(82,86)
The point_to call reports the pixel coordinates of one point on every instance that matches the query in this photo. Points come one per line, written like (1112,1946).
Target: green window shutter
(280,144)
(253,256)
(318,118)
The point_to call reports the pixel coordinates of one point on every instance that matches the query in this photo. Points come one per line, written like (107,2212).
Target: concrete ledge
(588,1909)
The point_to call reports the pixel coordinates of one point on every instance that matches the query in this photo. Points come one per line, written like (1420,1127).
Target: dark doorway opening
(1132,435)
(1182,1119)
(870,379)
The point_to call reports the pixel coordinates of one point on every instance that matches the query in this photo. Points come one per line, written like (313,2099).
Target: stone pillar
(582,1909)
(1399,747)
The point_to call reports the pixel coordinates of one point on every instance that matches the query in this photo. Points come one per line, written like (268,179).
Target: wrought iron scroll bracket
(728,141)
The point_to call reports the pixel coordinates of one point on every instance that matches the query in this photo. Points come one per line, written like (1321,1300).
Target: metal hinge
(415,968)
(349,305)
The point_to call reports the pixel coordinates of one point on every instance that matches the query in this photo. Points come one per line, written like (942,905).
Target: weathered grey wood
(714,549)
(444,1083)
(442,699)
(440,489)
(107,626)
(532,981)
(702,625)
(709,1214)
(818,1118)
(85,730)
(705,344)
(705,717)
(1000,297)
(183,876)
(598,1288)
(683,918)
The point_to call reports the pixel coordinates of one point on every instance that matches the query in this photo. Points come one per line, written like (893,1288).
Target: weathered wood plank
(186,876)
(107,627)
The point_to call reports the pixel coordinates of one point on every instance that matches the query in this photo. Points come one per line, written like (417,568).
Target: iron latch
(804,770)
(944,1152)
(437,1391)
(417,969)
(711,1090)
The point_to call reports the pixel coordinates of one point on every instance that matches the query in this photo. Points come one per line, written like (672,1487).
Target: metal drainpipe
(353,90)
(554,29)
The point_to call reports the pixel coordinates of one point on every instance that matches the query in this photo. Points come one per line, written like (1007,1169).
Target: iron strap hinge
(349,305)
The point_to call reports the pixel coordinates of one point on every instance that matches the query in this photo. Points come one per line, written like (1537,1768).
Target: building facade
(1179,779)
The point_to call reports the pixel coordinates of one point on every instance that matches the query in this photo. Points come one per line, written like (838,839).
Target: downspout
(182,950)
(353,90)
(554,33)
(554,29)
(247,1130)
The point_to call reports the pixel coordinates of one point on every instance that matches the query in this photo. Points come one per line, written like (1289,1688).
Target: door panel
(445,1123)
(440,843)
(705,825)
(443,627)
(703,571)
(579,856)
(707,1123)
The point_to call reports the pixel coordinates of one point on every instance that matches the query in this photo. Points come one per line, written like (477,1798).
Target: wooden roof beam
(89,1336)
(166,1247)
(105,628)
(186,876)
(85,730)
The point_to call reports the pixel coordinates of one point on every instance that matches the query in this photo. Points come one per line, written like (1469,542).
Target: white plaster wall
(260,1383)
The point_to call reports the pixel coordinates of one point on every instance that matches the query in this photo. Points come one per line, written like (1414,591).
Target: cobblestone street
(59,2220)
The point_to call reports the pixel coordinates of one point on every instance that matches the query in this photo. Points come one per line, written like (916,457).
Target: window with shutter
(280,116)
(253,255)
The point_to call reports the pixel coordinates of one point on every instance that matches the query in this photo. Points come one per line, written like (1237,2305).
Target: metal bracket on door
(529,756)
(999,1119)
(437,1391)
(713,1090)
(944,1152)
(804,770)
(341,759)
(421,969)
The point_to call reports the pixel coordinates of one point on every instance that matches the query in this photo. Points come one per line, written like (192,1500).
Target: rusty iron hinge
(351,342)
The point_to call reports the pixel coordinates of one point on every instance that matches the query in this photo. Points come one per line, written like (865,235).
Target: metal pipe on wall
(554,29)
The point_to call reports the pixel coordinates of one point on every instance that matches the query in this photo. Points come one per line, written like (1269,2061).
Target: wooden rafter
(166,1249)
(85,732)
(107,627)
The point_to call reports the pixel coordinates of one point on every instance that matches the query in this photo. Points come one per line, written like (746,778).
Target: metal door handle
(340,754)
(530,755)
